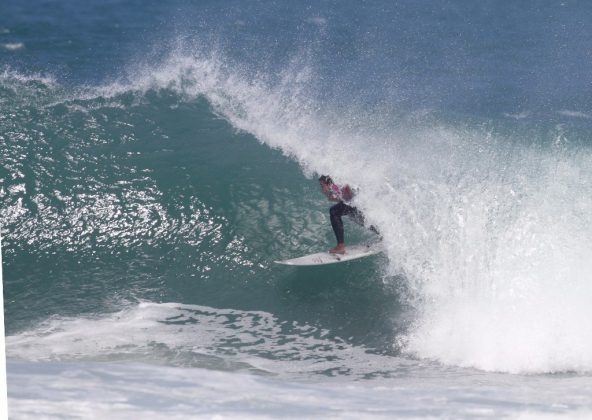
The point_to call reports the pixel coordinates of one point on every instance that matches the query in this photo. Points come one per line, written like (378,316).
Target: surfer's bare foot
(339,249)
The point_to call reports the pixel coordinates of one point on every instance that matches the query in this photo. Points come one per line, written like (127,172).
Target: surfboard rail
(353,252)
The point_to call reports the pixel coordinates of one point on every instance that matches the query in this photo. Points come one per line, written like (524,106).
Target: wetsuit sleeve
(346,193)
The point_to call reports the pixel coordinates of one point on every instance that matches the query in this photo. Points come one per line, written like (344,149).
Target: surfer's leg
(336,212)
(342,209)
(358,217)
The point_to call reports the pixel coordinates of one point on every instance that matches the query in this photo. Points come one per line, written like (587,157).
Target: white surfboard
(322,258)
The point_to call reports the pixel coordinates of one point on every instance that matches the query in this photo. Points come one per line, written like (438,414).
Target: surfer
(342,195)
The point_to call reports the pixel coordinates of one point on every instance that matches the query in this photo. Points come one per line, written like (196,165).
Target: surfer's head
(325,179)
(325,182)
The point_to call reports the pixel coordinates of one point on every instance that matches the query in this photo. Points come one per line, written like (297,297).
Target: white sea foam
(123,391)
(13,46)
(574,114)
(9,76)
(148,360)
(198,336)
(518,115)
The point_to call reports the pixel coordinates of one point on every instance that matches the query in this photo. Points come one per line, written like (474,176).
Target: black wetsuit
(342,209)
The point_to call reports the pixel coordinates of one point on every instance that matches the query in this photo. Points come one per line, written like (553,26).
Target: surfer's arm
(332,196)
(331,191)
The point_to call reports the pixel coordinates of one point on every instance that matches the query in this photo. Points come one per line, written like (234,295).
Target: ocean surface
(156,158)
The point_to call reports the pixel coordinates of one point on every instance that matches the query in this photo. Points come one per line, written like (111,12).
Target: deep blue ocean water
(157,157)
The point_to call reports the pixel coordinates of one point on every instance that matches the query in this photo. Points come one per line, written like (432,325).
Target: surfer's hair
(325,179)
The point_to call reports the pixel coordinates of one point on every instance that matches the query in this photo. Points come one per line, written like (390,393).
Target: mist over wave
(487,221)
(489,224)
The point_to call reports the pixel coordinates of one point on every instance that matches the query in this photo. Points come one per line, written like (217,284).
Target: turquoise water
(155,159)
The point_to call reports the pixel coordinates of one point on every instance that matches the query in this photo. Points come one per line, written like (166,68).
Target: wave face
(178,174)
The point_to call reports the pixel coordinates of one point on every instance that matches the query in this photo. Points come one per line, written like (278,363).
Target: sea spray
(489,229)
